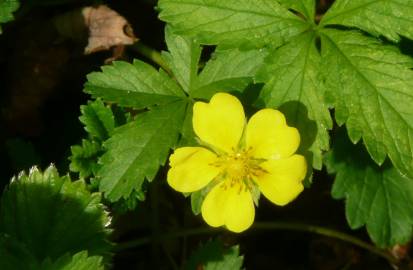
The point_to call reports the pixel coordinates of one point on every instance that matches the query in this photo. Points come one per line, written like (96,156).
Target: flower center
(239,168)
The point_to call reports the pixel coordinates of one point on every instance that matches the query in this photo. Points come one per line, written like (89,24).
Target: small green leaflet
(130,203)
(182,58)
(84,158)
(136,85)
(98,119)
(137,149)
(378,197)
(99,123)
(213,256)
(291,76)
(197,198)
(305,7)
(371,87)
(7,7)
(229,70)
(232,23)
(43,215)
(389,18)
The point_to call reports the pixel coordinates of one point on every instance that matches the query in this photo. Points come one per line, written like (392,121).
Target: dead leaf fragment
(106,29)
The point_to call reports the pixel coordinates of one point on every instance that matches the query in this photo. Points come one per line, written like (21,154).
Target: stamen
(239,168)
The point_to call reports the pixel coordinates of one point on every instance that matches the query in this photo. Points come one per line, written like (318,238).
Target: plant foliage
(44,216)
(7,7)
(214,256)
(379,197)
(339,76)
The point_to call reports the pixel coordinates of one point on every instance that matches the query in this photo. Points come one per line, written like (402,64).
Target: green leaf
(182,58)
(79,261)
(292,86)
(213,256)
(130,203)
(7,7)
(137,150)
(371,87)
(379,197)
(305,7)
(44,216)
(136,85)
(389,18)
(232,23)
(15,256)
(229,70)
(98,119)
(198,197)
(84,158)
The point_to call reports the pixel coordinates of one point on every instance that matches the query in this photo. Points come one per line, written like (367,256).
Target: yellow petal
(282,182)
(191,169)
(230,206)
(212,209)
(220,122)
(269,136)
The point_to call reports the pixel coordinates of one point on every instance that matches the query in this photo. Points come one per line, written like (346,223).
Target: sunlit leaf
(371,88)
(292,85)
(390,18)
(136,85)
(232,23)
(137,150)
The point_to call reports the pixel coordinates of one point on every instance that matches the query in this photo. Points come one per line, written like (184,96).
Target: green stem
(269,226)
(326,232)
(151,54)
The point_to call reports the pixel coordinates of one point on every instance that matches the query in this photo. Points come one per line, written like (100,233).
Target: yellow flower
(239,158)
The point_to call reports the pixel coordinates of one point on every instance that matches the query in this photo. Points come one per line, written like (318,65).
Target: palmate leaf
(43,215)
(213,256)
(98,119)
(305,7)
(136,85)
(137,150)
(389,18)
(291,77)
(379,197)
(232,23)
(7,7)
(371,87)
